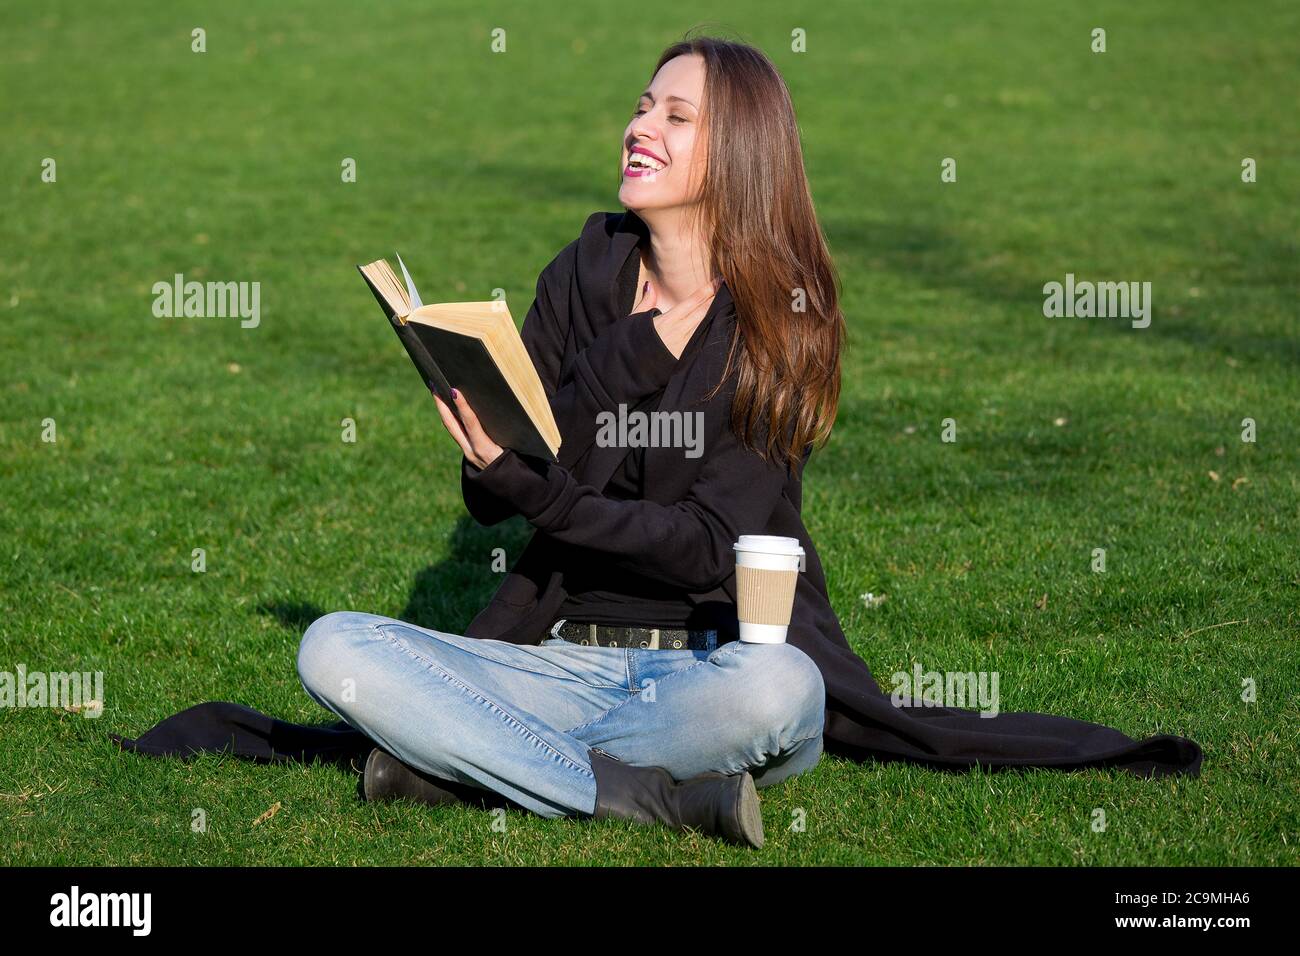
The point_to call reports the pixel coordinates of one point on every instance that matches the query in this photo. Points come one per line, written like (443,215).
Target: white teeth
(644,160)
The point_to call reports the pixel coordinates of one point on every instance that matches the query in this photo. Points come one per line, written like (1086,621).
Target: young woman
(639,682)
(604,677)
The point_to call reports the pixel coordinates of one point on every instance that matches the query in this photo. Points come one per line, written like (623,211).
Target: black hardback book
(447,357)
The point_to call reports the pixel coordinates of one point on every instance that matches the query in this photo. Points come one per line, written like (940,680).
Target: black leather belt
(650,638)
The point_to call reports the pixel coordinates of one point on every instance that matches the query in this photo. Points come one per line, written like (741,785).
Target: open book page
(410,286)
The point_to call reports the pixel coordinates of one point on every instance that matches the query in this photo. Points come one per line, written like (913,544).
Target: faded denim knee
(784,689)
(326,650)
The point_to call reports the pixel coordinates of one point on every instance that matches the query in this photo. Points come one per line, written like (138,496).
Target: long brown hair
(756,214)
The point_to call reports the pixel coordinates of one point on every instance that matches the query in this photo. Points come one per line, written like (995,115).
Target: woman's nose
(644,130)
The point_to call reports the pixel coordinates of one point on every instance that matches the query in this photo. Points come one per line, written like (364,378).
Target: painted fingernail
(455,394)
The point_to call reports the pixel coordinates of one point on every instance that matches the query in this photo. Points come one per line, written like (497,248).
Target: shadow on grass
(445,595)
(295,615)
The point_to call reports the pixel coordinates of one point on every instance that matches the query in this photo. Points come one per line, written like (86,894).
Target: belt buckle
(590,640)
(651,645)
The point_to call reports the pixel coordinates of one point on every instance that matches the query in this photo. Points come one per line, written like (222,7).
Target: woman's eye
(672,119)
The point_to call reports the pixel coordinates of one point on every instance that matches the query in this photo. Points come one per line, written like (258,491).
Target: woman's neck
(676,263)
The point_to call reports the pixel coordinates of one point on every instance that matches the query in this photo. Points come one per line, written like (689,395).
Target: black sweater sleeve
(626,362)
(686,544)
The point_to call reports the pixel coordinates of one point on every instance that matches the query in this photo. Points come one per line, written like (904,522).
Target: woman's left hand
(473,440)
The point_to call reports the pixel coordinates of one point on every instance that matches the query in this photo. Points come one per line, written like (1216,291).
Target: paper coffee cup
(767,572)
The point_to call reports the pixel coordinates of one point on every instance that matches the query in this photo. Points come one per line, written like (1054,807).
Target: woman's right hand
(678,324)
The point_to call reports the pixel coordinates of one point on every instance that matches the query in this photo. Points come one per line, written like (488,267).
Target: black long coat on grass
(592,356)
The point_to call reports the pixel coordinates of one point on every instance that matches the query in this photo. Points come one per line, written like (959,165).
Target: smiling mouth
(639,164)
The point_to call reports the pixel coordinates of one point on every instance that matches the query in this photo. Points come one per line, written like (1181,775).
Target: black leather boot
(387,778)
(719,804)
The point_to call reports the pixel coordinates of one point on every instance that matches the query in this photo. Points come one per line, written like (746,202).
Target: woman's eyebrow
(647,95)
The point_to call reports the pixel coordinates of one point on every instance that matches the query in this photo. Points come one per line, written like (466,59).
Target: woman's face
(666,135)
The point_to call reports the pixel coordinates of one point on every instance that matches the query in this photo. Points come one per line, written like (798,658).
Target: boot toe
(749,814)
(377,779)
(387,778)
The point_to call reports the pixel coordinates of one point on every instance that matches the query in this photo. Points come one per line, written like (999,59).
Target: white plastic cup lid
(768,544)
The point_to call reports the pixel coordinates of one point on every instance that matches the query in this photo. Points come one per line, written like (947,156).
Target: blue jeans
(518,719)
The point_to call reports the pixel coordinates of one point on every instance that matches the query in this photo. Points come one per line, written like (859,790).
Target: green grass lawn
(1072,434)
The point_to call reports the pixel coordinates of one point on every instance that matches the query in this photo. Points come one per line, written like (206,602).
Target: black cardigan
(591,355)
(610,595)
